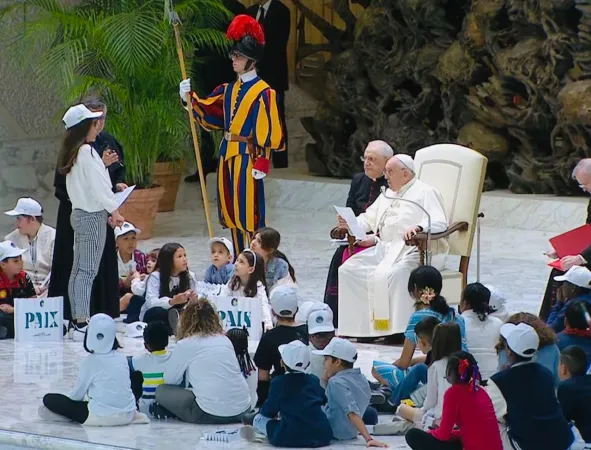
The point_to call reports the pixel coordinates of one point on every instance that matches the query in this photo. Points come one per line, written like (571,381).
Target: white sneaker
(250,433)
(78,333)
(222,436)
(50,416)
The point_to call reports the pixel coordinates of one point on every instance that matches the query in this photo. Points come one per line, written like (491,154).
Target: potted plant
(124,52)
(168,171)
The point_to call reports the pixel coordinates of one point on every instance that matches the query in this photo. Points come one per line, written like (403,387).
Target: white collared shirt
(248,76)
(265,7)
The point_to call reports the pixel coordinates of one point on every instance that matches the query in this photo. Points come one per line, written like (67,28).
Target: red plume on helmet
(244,25)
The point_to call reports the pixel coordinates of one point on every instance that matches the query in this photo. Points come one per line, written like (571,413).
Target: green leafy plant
(124,52)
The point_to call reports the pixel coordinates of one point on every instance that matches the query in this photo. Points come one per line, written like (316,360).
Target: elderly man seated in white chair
(373,284)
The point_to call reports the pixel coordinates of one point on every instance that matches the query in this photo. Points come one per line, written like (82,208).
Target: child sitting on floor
(171,285)
(446,341)
(14,283)
(138,284)
(320,331)
(221,253)
(574,392)
(284,303)
(347,392)
(103,379)
(468,421)
(292,415)
(532,414)
(576,331)
(130,261)
(278,270)
(497,304)
(151,365)
(239,339)
(249,281)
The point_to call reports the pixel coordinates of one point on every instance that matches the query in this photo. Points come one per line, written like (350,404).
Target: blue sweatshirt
(534,417)
(574,396)
(222,275)
(556,317)
(298,399)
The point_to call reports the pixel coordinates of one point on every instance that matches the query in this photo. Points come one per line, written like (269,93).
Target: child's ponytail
(463,368)
(280,254)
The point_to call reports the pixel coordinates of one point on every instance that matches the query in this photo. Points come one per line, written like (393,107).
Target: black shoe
(377,398)
(374,385)
(3,332)
(160,412)
(248,417)
(173,319)
(192,178)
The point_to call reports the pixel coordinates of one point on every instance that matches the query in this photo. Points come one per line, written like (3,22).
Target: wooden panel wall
(313,36)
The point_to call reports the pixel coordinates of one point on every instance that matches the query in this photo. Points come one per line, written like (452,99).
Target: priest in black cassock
(364,190)
(582,174)
(105,289)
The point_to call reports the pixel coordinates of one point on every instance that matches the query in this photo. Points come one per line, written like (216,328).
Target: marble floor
(511,259)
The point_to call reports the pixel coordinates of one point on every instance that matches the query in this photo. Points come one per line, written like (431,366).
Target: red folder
(572,242)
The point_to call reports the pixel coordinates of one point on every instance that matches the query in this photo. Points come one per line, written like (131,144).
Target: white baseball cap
(77,113)
(126,228)
(284,301)
(9,249)
(135,329)
(26,206)
(577,275)
(100,334)
(521,339)
(225,242)
(295,355)
(497,299)
(320,321)
(339,348)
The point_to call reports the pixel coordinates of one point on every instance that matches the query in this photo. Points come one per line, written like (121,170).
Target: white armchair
(458,174)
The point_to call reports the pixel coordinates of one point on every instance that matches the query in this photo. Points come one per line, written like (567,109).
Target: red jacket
(20,287)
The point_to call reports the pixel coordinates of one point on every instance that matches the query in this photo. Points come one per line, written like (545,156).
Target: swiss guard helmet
(248,37)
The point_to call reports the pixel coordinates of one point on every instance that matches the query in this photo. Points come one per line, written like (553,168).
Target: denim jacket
(275,270)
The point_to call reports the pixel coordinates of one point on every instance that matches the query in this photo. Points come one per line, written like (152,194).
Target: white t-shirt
(153,298)
(437,384)
(105,379)
(481,338)
(226,291)
(212,370)
(317,365)
(125,268)
(252,380)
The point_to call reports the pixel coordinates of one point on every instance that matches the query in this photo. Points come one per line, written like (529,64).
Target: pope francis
(373,291)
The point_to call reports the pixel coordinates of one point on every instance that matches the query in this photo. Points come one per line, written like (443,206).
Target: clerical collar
(248,76)
(266,5)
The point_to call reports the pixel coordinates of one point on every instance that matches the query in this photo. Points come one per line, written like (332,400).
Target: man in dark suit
(275,19)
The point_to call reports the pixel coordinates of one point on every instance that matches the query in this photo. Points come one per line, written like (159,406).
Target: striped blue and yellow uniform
(151,365)
(249,110)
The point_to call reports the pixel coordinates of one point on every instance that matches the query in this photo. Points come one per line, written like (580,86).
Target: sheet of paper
(339,242)
(122,196)
(349,216)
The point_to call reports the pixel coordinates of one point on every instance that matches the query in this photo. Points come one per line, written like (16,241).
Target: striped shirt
(151,365)
(419,315)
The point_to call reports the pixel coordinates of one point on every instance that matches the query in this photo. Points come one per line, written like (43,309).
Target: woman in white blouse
(93,205)
(482,329)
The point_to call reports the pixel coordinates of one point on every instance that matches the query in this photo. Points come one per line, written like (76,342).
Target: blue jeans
(416,374)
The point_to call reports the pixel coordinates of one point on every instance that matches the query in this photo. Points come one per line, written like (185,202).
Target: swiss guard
(246,110)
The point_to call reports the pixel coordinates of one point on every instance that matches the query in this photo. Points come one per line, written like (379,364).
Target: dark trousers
(280,160)
(7,320)
(549,299)
(134,308)
(65,406)
(370,417)
(331,292)
(420,440)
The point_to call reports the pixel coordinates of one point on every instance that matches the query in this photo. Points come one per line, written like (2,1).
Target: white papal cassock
(373,284)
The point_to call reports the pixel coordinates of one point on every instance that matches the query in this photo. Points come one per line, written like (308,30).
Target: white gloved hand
(184,89)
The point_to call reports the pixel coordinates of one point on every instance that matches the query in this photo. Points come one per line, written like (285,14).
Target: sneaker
(78,333)
(222,436)
(397,427)
(377,398)
(248,417)
(160,412)
(50,416)
(173,319)
(250,433)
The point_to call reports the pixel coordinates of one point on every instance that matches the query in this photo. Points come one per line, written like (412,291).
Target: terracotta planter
(168,175)
(140,209)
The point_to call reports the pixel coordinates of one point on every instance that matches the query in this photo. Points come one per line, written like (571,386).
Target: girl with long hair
(249,281)
(171,285)
(239,339)
(205,358)
(482,329)
(92,208)
(277,267)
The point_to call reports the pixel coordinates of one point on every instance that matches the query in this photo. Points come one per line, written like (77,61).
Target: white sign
(120,197)
(238,312)
(38,319)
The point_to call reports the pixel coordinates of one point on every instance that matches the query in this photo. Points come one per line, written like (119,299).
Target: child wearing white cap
(284,304)
(132,264)
(532,413)
(221,253)
(576,286)
(103,379)
(14,283)
(320,331)
(347,392)
(94,204)
(33,235)
(497,304)
(292,415)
